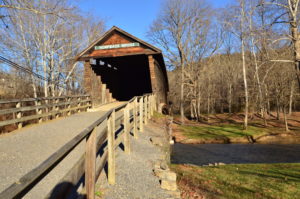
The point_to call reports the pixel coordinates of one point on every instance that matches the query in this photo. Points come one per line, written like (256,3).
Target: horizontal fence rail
(102,138)
(20,111)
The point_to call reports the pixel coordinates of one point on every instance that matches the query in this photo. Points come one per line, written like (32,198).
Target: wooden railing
(103,136)
(18,111)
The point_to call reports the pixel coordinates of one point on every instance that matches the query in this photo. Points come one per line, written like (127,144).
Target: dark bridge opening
(125,76)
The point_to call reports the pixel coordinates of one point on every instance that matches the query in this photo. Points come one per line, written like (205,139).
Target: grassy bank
(223,132)
(225,128)
(247,181)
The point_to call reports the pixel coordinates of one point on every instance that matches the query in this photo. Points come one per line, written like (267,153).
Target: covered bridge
(119,66)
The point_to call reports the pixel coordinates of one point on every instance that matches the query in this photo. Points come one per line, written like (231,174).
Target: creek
(203,154)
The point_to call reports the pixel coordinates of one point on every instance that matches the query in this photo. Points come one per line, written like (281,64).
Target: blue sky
(134,16)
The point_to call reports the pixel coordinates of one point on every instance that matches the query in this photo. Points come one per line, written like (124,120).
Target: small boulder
(164,165)
(158,172)
(169,175)
(156,141)
(168,185)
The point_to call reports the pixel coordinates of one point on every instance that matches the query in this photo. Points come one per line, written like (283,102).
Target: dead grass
(228,128)
(247,181)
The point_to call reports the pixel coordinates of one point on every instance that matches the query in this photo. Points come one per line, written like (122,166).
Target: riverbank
(228,128)
(237,181)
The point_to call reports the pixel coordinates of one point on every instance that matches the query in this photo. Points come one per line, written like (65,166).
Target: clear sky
(134,16)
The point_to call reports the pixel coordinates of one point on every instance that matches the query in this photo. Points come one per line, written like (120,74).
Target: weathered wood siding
(158,82)
(116,38)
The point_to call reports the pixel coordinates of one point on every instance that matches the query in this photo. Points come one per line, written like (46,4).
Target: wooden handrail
(39,98)
(41,111)
(106,125)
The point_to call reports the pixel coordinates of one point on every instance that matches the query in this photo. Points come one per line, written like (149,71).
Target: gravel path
(23,150)
(134,176)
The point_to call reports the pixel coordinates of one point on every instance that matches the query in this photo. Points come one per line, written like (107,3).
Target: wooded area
(240,58)
(43,37)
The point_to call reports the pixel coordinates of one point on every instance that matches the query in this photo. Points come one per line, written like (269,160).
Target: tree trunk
(181,96)
(199,107)
(296,41)
(230,99)
(277,109)
(245,87)
(265,117)
(244,66)
(291,99)
(285,120)
(192,110)
(208,105)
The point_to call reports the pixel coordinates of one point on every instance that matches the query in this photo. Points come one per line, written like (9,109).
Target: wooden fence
(105,135)
(19,111)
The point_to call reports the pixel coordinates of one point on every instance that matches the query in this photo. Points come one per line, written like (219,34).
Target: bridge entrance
(119,66)
(126,76)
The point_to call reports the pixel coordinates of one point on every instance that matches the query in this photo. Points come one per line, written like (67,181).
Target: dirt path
(24,149)
(134,177)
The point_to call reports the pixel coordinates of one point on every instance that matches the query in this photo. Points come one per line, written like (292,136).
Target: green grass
(225,130)
(98,193)
(157,115)
(246,181)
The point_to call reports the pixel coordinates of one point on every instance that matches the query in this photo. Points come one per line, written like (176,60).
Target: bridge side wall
(159,86)
(92,84)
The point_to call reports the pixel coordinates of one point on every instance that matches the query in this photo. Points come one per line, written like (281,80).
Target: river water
(203,154)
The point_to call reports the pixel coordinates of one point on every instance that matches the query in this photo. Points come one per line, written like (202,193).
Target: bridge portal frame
(118,44)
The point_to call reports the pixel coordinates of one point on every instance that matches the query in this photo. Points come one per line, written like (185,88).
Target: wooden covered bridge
(125,80)
(119,66)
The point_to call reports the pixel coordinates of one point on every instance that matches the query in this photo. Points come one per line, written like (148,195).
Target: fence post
(78,104)
(111,149)
(56,108)
(126,130)
(145,110)
(87,103)
(149,107)
(19,115)
(90,165)
(141,114)
(39,112)
(135,133)
(47,109)
(69,106)
(154,103)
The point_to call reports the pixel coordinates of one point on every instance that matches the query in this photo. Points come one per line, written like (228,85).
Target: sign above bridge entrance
(104,47)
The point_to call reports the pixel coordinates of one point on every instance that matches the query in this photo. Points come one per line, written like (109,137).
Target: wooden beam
(19,115)
(126,130)
(141,115)
(145,110)
(111,149)
(90,165)
(135,132)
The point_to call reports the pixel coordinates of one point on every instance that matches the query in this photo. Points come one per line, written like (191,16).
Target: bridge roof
(117,42)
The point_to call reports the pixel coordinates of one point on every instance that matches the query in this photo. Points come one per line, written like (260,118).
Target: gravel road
(24,149)
(134,176)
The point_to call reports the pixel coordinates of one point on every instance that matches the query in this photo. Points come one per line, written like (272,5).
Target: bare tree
(49,42)
(181,30)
